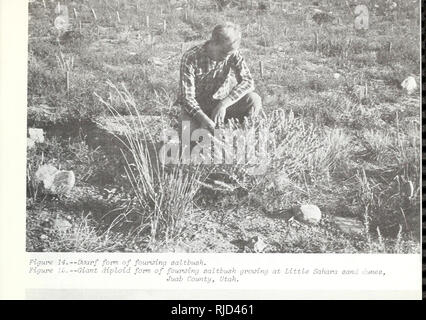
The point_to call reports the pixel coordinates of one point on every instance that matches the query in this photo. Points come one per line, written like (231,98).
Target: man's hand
(208,124)
(205,121)
(219,112)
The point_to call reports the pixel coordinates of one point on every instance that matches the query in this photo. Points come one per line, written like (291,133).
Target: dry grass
(164,193)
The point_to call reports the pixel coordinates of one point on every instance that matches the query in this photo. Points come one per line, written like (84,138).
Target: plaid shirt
(204,81)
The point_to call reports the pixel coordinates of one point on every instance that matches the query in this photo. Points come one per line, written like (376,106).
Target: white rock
(362,17)
(36,134)
(309,213)
(62,23)
(58,182)
(259,245)
(45,174)
(409,84)
(61,224)
(63,182)
(337,76)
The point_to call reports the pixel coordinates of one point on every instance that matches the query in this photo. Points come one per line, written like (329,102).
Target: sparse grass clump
(164,192)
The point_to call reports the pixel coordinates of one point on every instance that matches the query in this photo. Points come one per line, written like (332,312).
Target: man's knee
(254,101)
(253,98)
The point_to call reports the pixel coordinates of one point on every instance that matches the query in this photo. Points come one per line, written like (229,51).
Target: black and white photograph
(224,126)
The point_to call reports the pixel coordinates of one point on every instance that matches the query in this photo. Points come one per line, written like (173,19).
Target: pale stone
(63,182)
(45,174)
(62,23)
(309,213)
(36,134)
(259,245)
(61,224)
(361,17)
(409,84)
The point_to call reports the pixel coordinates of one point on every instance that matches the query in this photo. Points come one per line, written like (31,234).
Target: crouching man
(215,82)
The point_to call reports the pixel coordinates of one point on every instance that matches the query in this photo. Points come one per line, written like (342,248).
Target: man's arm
(244,86)
(187,87)
(244,79)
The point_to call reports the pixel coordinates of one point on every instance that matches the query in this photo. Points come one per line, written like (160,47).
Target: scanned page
(210,149)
